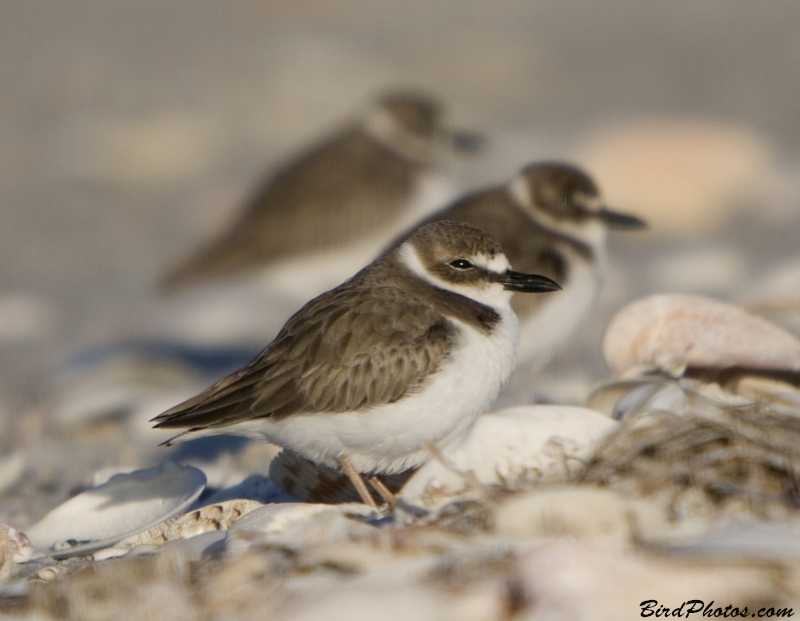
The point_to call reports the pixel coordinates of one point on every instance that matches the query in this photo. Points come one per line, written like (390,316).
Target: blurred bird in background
(550,219)
(326,214)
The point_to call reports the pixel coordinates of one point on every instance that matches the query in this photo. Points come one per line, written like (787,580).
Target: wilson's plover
(549,219)
(329,212)
(374,374)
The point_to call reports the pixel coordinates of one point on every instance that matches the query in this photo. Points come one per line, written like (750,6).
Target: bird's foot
(357,481)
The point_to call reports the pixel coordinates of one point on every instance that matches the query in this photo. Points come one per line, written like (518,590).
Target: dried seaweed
(711,452)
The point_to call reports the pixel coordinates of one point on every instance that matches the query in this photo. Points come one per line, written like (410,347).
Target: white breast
(550,325)
(393,438)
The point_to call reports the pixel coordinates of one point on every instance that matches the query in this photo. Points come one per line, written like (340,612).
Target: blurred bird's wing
(342,190)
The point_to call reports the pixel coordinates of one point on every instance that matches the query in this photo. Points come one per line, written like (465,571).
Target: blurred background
(132,131)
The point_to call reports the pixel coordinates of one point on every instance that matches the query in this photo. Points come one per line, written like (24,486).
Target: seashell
(620,397)
(123,506)
(50,573)
(776,391)
(204,545)
(299,525)
(209,518)
(114,552)
(675,331)
(14,548)
(511,448)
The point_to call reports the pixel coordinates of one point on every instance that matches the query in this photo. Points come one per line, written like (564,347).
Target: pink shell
(672,331)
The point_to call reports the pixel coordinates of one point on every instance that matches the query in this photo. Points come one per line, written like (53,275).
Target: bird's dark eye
(461,264)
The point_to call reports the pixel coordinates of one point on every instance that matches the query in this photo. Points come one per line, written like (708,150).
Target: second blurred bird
(550,219)
(329,212)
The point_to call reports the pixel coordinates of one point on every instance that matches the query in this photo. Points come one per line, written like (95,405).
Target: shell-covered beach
(653,459)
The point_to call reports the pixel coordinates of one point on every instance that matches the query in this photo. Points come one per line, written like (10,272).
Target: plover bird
(549,219)
(329,212)
(397,361)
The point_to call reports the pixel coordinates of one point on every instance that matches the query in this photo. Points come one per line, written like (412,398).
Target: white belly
(392,438)
(545,330)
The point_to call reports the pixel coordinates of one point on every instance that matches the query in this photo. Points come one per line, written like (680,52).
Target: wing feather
(341,352)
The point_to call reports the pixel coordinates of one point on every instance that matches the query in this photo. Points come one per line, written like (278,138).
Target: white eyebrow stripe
(410,258)
(408,255)
(498,263)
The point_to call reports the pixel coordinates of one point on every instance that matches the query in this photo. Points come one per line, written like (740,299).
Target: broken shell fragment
(123,506)
(209,518)
(620,397)
(14,548)
(512,449)
(299,525)
(674,331)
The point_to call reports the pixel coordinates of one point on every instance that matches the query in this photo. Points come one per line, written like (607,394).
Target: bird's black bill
(527,283)
(618,220)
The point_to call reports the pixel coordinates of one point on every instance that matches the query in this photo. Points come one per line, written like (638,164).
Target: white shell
(673,331)
(298,525)
(521,445)
(125,505)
